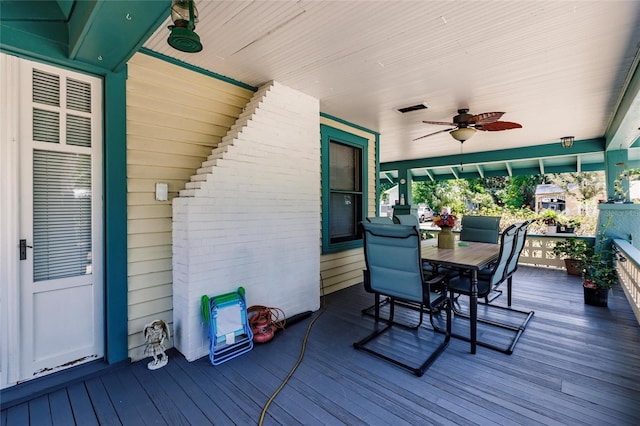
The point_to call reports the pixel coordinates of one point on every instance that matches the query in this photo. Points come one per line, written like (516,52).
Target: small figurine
(155,334)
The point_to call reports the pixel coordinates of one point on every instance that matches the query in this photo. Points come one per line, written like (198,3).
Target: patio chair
(379,219)
(407,219)
(487,281)
(394,269)
(482,229)
(402,219)
(512,265)
(411,220)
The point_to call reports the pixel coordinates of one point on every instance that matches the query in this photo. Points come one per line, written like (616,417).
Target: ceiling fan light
(463,133)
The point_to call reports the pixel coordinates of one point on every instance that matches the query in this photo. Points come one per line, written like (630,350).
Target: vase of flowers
(445,221)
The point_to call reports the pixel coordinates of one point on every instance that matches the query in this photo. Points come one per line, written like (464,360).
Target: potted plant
(549,218)
(574,251)
(621,184)
(426,235)
(569,227)
(599,272)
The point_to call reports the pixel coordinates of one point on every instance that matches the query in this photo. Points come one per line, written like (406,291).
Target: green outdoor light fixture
(184,16)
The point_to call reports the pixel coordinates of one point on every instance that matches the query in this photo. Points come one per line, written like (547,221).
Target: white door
(59,248)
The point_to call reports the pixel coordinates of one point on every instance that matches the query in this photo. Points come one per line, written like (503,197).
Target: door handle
(23,249)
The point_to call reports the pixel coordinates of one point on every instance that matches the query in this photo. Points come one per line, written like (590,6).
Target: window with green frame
(344,195)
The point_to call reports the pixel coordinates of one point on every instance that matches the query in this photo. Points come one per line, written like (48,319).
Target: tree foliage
(590,184)
(521,191)
(461,194)
(513,197)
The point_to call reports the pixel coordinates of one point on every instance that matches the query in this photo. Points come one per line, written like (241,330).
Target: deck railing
(628,269)
(538,250)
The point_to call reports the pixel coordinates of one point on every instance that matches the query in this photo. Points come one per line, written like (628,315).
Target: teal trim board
(623,127)
(548,150)
(377,172)
(115,217)
(93,34)
(377,139)
(404,183)
(355,126)
(328,134)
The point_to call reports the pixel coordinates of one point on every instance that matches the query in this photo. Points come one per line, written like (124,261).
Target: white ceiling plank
(555,67)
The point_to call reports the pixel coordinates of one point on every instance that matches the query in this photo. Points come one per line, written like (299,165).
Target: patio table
(467,255)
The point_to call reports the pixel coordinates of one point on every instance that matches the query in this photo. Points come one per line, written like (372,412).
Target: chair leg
(418,371)
(411,305)
(493,295)
(519,329)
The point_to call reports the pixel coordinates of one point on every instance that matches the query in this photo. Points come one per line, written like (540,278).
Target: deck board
(84,410)
(105,412)
(40,411)
(574,364)
(176,408)
(225,409)
(61,412)
(122,399)
(18,414)
(154,387)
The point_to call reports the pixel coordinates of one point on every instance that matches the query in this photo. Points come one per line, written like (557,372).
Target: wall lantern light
(567,141)
(184,16)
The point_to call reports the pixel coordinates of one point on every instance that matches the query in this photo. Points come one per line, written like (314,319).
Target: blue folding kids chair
(229,331)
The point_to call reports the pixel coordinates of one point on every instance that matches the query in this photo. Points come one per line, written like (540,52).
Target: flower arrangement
(444,220)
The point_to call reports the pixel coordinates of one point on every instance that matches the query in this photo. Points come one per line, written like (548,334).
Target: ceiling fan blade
(440,123)
(434,133)
(485,117)
(498,125)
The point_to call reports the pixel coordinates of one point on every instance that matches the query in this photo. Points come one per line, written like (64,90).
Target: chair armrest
(439,282)
(438,278)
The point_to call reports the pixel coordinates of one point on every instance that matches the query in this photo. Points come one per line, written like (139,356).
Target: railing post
(628,269)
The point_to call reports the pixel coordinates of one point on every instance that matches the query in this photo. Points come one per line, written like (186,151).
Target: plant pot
(551,229)
(574,267)
(596,296)
(446,240)
(562,229)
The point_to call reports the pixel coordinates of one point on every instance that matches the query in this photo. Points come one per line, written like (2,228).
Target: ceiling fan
(465,124)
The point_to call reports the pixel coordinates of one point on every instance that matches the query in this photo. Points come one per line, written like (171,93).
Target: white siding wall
(250,217)
(344,269)
(174,118)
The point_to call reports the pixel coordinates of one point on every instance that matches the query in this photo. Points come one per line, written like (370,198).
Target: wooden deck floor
(574,364)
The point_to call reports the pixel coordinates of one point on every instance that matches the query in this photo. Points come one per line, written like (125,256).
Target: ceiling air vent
(411,108)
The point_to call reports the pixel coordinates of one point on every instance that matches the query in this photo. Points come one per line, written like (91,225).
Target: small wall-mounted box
(162,191)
